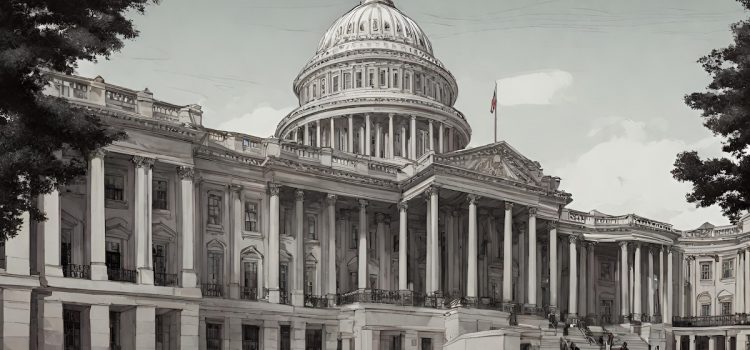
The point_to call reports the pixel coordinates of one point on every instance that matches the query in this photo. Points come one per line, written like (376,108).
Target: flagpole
(497,105)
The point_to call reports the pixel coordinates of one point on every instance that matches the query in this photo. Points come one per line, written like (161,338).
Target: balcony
(122,275)
(212,290)
(316,301)
(285,298)
(249,293)
(77,271)
(711,321)
(165,279)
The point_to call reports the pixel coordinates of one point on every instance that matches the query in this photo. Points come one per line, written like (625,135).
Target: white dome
(375,20)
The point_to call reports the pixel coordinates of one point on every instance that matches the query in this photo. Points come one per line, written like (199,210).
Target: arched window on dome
(398,28)
(387,26)
(362,26)
(349,28)
(375,26)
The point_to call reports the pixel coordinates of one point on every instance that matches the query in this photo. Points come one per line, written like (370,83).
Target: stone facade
(365,223)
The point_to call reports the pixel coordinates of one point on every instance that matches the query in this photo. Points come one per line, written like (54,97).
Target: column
(368,135)
(429,288)
(553,267)
(142,218)
(16,311)
(51,233)
(317,132)
(17,249)
(378,139)
(739,304)
(471,277)
(403,207)
(298,335)
(531,291)
(189,324)
(669,287)
(434,231)
(299,255)
(583,273)
(651,295)
(451,146)
(432,136)
(624,273)
(391,138)
(185,222)
(662,285)
(99,327)
(382,258)
(273,244)
(331,200)
(413,138)
(711,342)
(677,341)
(747,280)
(692,341)
(96,215)
(236,241)
(306,136)
(637,290)
(351,134)
(508,253)
(53,335)
(145,327)
(441,142)
(403,141)
(573,297)
(333,133)
(362,259)
(590,278)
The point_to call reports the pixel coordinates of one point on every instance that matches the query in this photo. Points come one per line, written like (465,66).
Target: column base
(145,276)
(529,308)
(571,319)
(298,298)
(189,279)
(234,291)
(274,296)
(637,317)
(53,270)
(331,300)
(98,271)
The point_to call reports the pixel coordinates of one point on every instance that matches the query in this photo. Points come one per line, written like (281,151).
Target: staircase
(550,340)
(623,334)
(577,336)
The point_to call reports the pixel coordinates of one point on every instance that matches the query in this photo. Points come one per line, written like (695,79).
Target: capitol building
(364,223)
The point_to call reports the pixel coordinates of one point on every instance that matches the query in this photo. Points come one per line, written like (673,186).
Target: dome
(375,20)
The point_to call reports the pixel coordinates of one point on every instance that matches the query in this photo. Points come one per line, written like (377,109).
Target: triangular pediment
(496,160)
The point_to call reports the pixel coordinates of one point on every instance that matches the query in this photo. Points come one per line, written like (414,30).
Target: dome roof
(375,20)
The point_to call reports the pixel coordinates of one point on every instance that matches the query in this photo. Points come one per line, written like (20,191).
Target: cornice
(207,152)
(139,122)
(339,175)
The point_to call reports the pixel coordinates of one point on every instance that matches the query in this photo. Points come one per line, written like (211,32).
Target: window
(383,78)
(371,77)
(396,342)
(418,82)
(251,216)
(605,272)
(354,239)
(159,257)
(114,330)
(250,337)
(395,80)
(395,243)
(705,270)
(311,224)
(283,278)
(347,81)
(705,309)
(160,194)
(353,281)
(72,329)
(309,279)
(285,334)
(336,83)
(2,256)
(359,79)
(214,209)
(113,187)
(213,336)
(162,331)
(315,91)
(407,81)
(215,267)
(112,256)
(250,281)
(426,344)
(726,308)
(727,268)
(313,339)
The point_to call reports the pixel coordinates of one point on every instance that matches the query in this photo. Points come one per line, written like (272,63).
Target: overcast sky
(592,89)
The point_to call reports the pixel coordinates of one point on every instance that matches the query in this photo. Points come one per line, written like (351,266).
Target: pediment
(498,160)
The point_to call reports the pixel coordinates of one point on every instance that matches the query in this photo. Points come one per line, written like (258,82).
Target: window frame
(155,191)
(727,268)
(219,205)
(245,216)
(706,275)
(108,188)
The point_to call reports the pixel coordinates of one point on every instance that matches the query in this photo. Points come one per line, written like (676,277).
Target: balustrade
(165,279)
(122,275)
(77,271)
(249,293)
(212,290)
(711,321)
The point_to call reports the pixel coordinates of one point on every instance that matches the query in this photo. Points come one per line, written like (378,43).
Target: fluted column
(553,267)
(51,233)
(185,222)
(436,285)
(317,132)
(350,146)
(403,141)
(306,136)
(441,142)
(651,290)
(362,259)
(368,135)
(273,243)
(590,280)
(583,274)
(637,288)
(142,218)
(624,273)
(402,245)
(333,133)
(236,242)
(451,146)
(471,277)
(670,292)
(739,304)
(331,201)
(573,276)
(428,241)
(677,342)
(96,215)
(299,254)
(378,139)
(380,235)
(508,253)
(391,139)
(692,341)
(662,284)
(747,280)
(413,138)
(531,291)
(432,136)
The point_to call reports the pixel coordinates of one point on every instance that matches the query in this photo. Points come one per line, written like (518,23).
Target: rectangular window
(705,309)
(407,81)
(283,278)
(112,257)
(215,267)
(72,329)
(354,239)
(605,272)
(311,225)
(395,80)
(426,344)
(114,186)
(705,271)
(383,78)
(396,342)
(114,330)
(727,268)
(285,335)
(418,82)
(371,77)
(251,216)
(213,336)
(214,209)
(726,308)
(336,83)
(347,81)
(250,337)
(313,339)
(160,194)
(315,91)
(309,280)
(359,79)
(251,279)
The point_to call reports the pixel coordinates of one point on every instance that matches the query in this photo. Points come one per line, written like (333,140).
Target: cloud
(628,173)
(261,121)
(538,88)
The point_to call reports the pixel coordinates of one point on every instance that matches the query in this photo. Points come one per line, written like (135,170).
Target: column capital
(473,198)
(186,172)
(380,218)
(234,188)
(533,211)
(97,153)
(654,249)
(432,189)
(573,238)
(508,205)
(623,244)
(363,203)
(331,199)
(413,117)
(299,194)
(274,189)
(403,206)
(142,162)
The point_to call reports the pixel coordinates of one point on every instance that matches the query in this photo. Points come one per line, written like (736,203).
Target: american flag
(493,105)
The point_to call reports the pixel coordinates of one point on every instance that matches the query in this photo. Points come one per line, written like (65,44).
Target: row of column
(665,279)
(740,342)
(385,137)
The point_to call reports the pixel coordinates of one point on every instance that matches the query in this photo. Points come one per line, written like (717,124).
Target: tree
(37,36)
(725,107)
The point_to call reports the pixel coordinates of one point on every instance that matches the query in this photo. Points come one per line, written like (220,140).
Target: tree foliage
(725,107)
(37,36)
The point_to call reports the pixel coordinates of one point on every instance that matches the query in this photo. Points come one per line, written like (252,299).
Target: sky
(591,89)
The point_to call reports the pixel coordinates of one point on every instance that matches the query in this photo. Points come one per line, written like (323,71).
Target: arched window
(704,304)
(387,26)
(375,26)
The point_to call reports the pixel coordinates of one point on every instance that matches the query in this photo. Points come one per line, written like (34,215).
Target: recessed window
(250,337)
(372,79)
(605,271)
(214,209)
(705,309)
(407,81)
(727,268)
(347,81)
(159,200)
(359,79)
(311,225)
(114,186)
(354,239)
(315,91)
(214,264)
(383,78)
(336,83)
(213,336)
(395,80)
(726,308)
(251,216)
(705,270)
